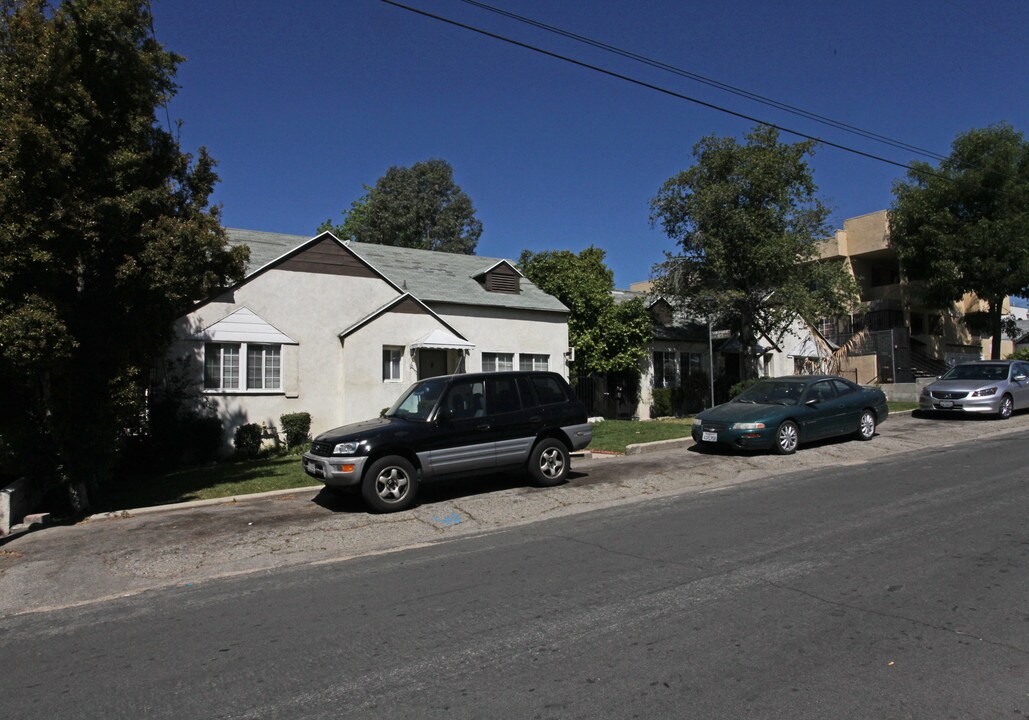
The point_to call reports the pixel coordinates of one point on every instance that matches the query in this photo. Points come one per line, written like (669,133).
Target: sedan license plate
(709,436)
(946,403)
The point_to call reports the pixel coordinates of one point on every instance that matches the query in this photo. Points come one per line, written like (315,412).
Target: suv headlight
(748,426)
(346,448)
(985,392)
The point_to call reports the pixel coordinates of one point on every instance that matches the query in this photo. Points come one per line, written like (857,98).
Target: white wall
(505,330)
(313,309)
(339,382)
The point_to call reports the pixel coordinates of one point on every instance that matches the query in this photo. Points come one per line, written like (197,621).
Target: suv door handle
(483,427)
(536,418)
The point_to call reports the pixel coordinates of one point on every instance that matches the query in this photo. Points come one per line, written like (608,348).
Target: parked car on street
(996,387)
(780,413)
(451,426)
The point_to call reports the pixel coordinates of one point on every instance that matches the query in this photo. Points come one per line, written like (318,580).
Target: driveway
(106,557)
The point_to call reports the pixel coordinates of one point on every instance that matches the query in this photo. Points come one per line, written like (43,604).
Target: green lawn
(230,478)
(902,406)
(224,479)
(614,435)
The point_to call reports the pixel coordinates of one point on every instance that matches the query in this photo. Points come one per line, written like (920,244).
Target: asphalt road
(891,589)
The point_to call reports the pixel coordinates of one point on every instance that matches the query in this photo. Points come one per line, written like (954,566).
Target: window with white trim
(391,359)
(529,361)
(264,367)
(497,362)
(226,365)
(666,369)
(691,364)
(221,366)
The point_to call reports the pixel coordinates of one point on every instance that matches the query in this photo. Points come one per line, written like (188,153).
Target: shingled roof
(432,277)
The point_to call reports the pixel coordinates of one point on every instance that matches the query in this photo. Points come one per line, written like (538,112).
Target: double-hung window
(691,364)
(264,367)
(391,358)
(527,361)
(666,369)
(228,365)
(221,366)
(497,362)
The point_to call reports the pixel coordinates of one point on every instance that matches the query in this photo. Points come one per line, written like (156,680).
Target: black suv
(455,425)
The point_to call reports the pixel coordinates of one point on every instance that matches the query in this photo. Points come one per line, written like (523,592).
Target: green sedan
(780,413)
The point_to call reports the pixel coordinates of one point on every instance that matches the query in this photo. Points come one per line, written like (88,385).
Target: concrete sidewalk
(173,546)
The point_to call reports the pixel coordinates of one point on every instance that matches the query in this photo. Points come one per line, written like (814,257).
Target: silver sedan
(997,387)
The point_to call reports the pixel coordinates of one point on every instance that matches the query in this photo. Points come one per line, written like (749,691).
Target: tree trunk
(996,310)
(748,347)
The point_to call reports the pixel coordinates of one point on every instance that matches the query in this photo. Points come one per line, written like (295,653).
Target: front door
(431,363)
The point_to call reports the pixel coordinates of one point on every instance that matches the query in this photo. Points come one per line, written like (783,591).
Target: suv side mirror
(1019,378)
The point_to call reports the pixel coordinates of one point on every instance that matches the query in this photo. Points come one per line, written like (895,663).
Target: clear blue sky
(302,103)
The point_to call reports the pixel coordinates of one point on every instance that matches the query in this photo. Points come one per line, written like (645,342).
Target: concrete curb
(673,444)
(229,500)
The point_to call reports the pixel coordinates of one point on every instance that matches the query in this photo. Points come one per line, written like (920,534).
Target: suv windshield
(976,372)
(773,392)
(418,401)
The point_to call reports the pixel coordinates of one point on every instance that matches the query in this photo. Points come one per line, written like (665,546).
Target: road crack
(894,616)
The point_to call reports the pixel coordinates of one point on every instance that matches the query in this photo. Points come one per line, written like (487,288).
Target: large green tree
(416,207)
(963,226)
(106,234)
(607,336)
(748,223)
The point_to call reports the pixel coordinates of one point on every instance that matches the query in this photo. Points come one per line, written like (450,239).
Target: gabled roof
(243,325)
(432,277)
(492,267)
(393,304)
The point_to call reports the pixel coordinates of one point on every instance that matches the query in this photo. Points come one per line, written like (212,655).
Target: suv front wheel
(390,484)
(548,462)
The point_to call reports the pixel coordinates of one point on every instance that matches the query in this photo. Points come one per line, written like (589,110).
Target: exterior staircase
(923,365)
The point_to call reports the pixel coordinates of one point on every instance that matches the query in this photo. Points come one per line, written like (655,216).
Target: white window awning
(442,340)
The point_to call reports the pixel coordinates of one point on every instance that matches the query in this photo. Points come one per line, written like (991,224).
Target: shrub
(680,401)
(248,440)
(297,427)
(203,437)
(741,386)
(662,406)
(1021,354)
(694,394)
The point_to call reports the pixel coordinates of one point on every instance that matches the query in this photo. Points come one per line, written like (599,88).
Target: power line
(665,91)
(838,124)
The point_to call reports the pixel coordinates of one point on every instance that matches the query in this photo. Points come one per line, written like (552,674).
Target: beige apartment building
(907,337)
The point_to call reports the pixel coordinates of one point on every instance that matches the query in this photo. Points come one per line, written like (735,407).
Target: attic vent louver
(496,282)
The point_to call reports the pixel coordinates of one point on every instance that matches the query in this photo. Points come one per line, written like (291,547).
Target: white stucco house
(339,329)
(681,354)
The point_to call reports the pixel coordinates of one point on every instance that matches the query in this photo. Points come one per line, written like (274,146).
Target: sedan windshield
(418,401)
(977,372)
(773,392)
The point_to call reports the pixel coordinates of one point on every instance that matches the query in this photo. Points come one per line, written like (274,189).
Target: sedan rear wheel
(786,438)
(866,427)
(1007,406)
